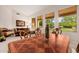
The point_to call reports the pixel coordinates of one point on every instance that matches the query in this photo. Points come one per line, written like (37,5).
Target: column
(56,24)
(36,22)
(77,19)
(44,24)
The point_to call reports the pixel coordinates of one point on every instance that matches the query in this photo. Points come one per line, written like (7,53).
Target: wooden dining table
(61,43)
(37,44)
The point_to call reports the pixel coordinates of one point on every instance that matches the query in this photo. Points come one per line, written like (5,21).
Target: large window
(67,18)
(68,23)
(40,23)
(50,22)
(33,23)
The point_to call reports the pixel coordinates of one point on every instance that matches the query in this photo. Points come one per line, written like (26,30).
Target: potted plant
(2,38)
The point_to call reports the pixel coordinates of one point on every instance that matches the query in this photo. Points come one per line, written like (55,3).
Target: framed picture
(20,23)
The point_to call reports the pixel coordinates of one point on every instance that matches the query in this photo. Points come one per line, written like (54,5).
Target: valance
(49,15)
(68,11)
(39,17)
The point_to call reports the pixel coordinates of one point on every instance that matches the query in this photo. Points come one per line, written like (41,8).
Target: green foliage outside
(50,23)
(40,22)
(69,23)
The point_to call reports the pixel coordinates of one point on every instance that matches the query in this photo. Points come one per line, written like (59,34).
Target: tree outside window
(50,22)
(68,23)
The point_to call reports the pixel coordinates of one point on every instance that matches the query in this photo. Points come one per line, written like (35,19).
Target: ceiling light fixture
(17,13)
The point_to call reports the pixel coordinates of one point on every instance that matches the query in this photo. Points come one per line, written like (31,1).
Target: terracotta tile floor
(4,45)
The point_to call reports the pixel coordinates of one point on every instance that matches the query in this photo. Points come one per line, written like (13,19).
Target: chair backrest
(77,49)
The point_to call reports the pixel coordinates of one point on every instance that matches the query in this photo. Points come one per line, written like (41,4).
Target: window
(68,23)
(67,19)
(50,20)
(40,21)
(33,23)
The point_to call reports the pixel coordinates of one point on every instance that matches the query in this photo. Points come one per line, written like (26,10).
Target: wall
(21,17)
(5,17)
(8,18)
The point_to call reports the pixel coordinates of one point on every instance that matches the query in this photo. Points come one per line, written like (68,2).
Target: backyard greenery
(50,23)
(68,23)
(40,22)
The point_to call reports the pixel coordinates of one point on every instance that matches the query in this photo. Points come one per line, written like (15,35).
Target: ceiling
(27,9)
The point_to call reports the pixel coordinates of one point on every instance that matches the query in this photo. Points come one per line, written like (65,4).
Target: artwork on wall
(20,23)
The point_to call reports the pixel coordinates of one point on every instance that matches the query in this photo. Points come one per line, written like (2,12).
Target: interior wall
(21,17)
(8,18)
(5,17)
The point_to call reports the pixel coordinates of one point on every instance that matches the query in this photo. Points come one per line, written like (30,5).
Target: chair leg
(25,36)
(20,35)
(29,35)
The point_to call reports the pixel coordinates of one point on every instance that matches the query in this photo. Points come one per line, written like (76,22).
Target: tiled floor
(4,44)
(74,39)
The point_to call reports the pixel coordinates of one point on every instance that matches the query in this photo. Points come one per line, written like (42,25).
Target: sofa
(7,32)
